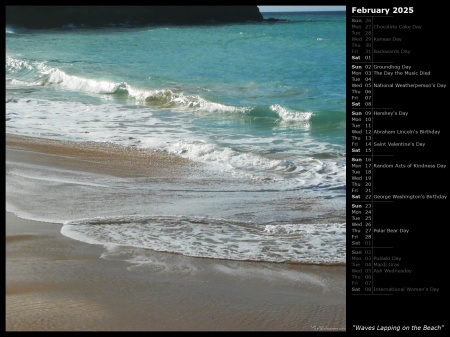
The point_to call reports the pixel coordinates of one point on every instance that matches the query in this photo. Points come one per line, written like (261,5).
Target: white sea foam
(109,122)
(14,65)
(169,98)
(46,75)
(291,116)
(209,152)
(56,76)
(216,238)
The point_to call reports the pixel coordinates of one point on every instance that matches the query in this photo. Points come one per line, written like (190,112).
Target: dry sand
(54,283)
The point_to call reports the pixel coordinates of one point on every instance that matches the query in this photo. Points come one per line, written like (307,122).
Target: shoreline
(54,283)
(97,157)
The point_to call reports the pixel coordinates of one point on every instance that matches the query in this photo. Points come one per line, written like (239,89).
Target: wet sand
(54,283)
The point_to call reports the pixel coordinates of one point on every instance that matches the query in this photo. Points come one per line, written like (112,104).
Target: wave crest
(27,73)
(56,76)
(291,116)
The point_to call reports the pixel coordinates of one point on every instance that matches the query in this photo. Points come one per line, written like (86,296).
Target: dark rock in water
(42,17)
(274,20)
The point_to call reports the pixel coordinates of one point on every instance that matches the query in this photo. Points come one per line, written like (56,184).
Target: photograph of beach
(176,176)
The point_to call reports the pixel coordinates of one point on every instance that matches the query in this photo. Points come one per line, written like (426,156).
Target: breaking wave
(27,73)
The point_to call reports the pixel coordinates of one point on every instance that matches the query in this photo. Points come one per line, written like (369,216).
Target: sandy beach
(54,283)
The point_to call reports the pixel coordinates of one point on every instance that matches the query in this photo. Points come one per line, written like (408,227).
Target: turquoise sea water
(260,104)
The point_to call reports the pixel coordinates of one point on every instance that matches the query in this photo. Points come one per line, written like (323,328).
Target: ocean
(259,108)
